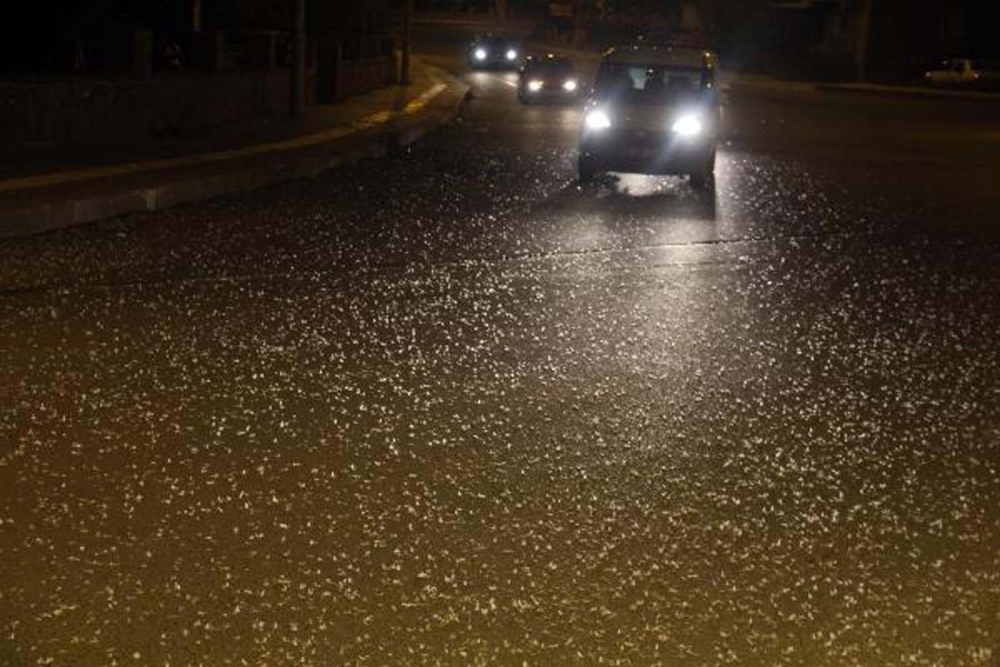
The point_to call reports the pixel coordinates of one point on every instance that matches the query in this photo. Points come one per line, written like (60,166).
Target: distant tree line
(57,30)
(47,34)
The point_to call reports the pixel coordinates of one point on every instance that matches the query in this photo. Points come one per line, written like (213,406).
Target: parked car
(493,51)
(955,71)
(548,78)
(654,110)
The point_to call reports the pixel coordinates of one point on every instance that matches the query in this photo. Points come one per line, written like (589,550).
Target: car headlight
(687,126)
(569,86)
(480,54)
(511,54)
(597,120)
(534,86)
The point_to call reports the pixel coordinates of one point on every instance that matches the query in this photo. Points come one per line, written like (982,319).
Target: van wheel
(706,175)
(586,171)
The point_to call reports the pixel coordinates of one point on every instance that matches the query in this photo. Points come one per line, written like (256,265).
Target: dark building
(885,40)
(882,40)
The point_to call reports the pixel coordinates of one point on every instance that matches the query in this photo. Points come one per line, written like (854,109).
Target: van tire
(706,175)
(586,171)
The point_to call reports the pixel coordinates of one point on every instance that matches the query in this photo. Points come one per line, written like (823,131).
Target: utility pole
(864,41)
(298,57)
(404,74)
(500,9)
(196,16)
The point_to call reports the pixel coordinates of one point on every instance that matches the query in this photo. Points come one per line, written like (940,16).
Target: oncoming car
(492,51)
(550,77)
(654,110)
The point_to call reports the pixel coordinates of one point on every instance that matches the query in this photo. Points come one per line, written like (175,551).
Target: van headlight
(688,126)
(534,86)
(597,120)
(480,54)
(511,54)
(569,85)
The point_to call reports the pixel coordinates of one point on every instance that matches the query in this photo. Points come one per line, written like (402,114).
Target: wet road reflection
(454,409)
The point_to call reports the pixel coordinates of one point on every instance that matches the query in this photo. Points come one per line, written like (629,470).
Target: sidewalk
(747,82)
(908,91)
(45,191)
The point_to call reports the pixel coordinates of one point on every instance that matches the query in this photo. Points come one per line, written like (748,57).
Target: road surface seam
(248,277)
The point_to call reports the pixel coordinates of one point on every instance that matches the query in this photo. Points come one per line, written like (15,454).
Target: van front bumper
(646,153)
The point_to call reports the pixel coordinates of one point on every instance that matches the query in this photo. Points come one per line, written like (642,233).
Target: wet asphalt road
(451,409)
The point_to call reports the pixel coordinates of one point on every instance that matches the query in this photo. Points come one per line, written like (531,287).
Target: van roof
(665,54)
(549,59)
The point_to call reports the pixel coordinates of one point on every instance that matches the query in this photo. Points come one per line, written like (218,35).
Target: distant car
(955,71)
(551,77)
(654,110)
(493,51)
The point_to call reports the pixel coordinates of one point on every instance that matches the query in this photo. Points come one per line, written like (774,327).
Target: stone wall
(347,67)
(80,112)
(362,76)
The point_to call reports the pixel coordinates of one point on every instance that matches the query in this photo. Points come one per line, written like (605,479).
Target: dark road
(452,408)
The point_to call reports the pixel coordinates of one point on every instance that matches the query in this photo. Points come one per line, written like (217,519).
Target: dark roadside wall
(906,37)
(47,100)
(909,35)
(82,112)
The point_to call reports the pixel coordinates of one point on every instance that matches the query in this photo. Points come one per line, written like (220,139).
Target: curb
(729,85)
(244,175)
(893,91)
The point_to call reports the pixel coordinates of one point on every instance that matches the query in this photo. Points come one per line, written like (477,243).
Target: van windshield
(652,83)
(551,68)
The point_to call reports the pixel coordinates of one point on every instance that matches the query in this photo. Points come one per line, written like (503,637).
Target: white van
(653,110)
